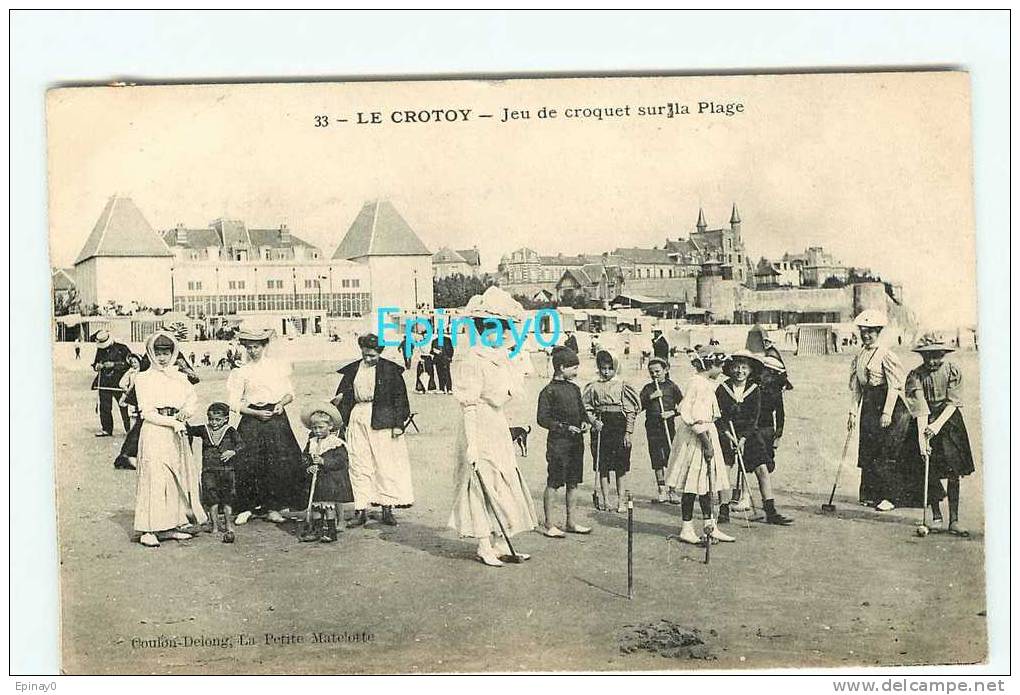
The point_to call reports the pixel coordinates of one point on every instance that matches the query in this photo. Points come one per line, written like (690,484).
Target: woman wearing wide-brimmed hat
(167,491)
(484,382)
(876,393)
(933,392)
(372,399)
(271,476)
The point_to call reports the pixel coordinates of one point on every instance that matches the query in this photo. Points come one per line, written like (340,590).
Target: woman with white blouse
(270,477)
(876,392)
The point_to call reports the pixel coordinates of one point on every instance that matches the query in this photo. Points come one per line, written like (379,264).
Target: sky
(876,168)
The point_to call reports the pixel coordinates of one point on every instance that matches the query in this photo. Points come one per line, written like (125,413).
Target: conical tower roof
(122,230)
(702,224)
(735,215)
(379,230)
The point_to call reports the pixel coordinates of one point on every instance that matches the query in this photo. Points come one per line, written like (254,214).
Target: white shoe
(661,499)
(275,517)
(149,540)
(744,505)
(242,518)
(717,535)
(687,534)
(885,506)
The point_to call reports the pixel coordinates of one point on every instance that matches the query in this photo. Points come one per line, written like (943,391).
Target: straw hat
(320,407)
(871,318)
(103,339)
(932,342)
(773,364)
(248,335)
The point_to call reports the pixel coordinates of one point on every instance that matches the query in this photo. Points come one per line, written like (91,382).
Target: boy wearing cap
(561,411)
(659,399)
(220,443)
(933,394)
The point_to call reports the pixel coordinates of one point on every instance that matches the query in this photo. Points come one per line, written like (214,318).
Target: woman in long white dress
(167,492)
(484,382)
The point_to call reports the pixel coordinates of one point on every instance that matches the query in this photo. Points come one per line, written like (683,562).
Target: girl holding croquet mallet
(933,394)
(696,464)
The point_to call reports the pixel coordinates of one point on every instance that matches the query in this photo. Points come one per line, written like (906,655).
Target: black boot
(313,532)
(329,534)
(387,516)
(724,513)
(360,518)
(774,517)
(122,463)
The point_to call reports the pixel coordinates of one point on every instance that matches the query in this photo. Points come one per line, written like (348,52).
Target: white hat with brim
(496,303)
(870,318)
(320,407)
(103,339)
(247,335)
(773,364)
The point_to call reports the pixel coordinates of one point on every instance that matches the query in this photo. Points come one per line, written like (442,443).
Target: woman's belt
(358,401)
(609,409)
(170,412)
(262,406)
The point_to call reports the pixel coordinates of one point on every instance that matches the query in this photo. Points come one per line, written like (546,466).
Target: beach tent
(815,339)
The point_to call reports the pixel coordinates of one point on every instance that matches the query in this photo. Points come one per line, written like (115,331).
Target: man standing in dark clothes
(442,356)
(571,341)
(110,365)
(660,348)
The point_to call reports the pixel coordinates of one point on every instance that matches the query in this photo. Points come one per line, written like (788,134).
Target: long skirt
(607,450)
(271,475)
(885,475)
(474,516)
(951,455)
(167,489)
(688,471)
(380,469)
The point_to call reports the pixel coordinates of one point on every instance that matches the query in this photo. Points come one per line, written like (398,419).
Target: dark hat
(564,357)
(163,341)
(218,407)
(604,357)
(369,341)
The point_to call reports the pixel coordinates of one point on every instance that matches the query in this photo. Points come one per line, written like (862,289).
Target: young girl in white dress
(696,453)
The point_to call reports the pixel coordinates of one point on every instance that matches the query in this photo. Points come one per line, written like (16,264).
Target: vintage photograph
(519,375)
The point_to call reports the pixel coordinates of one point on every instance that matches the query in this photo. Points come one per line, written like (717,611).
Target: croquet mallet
(513,557)
(829,506)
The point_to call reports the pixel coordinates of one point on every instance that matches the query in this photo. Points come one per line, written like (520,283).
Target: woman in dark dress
(876,390)
(270,477)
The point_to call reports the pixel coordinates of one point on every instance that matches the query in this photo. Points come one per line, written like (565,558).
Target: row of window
(242,255)
(351,283)
(344,304)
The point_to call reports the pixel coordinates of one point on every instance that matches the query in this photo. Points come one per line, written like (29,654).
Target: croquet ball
(922,531)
